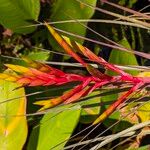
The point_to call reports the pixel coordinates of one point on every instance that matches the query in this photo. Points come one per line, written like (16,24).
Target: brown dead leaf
(7,33)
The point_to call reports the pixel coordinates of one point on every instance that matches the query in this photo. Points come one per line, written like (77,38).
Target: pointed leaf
(55,128)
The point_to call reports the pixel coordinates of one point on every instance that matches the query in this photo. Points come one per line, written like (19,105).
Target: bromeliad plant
(38,74)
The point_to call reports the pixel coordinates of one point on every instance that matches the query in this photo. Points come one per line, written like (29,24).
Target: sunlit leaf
(13,123)
(54,129)
(144,112)
(14,14)
(39,55)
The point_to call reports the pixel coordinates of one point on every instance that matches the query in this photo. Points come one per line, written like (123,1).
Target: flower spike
(39,74)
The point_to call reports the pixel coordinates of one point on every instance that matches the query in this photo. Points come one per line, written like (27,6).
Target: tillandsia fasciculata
(38,74)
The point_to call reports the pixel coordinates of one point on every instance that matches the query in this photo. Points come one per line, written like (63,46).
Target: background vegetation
(109,31)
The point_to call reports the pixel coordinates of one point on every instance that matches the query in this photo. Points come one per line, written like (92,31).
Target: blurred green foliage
(22,35)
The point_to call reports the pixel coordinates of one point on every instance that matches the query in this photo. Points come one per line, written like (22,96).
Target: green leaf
(15,13)
(146,147)
(90,107)
(64,9)
(37,56)
(123,58)
(55,128)
(144,112)
(130,3)
(13,123)
(43,56)
(122,124)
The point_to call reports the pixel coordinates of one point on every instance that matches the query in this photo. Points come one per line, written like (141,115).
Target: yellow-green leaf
(55,128)
(90,107)
(144,112)
(123,58)
(15,13)
(13,123)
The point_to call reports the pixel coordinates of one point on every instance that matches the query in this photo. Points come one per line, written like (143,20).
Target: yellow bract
(18,68)
(144,74)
